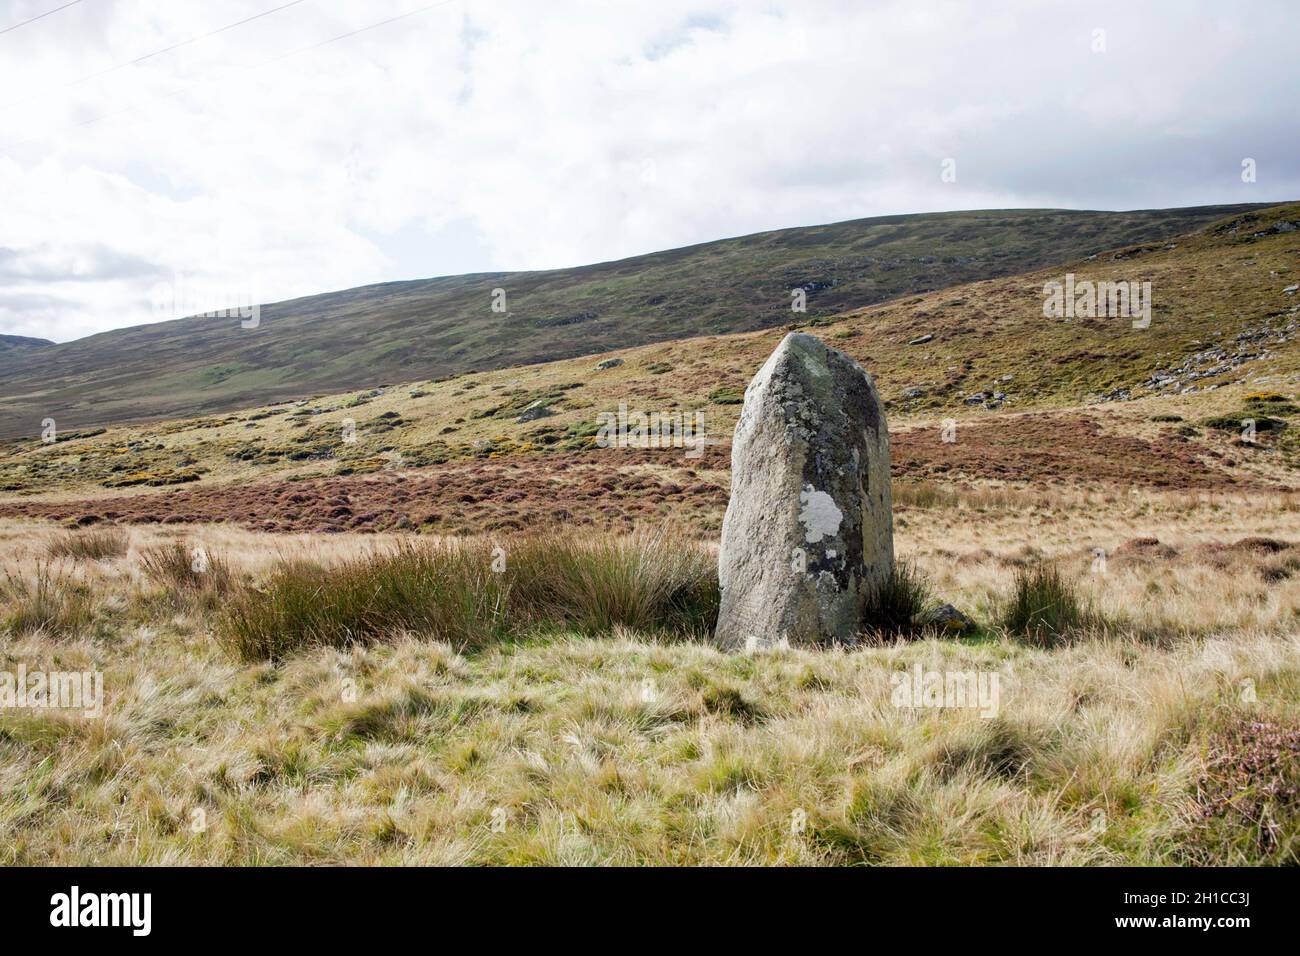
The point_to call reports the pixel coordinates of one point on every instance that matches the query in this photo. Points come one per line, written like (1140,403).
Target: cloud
(94,262)
(484,136)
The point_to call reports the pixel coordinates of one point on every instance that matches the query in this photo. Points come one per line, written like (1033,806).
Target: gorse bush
(1272,402)
(95,545)
(471,593)
(894,602)
(1045,607)
(52,603)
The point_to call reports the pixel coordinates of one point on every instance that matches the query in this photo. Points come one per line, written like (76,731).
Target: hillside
(1042,403)
(21,343)
(434,328)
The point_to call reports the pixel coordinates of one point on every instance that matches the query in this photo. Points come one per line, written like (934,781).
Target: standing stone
(809,529)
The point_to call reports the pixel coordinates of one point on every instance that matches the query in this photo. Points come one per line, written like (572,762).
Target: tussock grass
(97,545)
(648,581)
(1045,607)
(188,572)
(47,602)
(446,592)
(894,602)
(472,593)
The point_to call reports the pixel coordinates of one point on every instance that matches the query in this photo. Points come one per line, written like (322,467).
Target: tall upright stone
(809,529)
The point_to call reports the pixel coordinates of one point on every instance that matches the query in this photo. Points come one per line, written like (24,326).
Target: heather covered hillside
(434,328)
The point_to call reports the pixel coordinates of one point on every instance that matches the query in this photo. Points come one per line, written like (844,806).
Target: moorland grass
(894,603)
(187,573)
(1045,608)
(470,593)
(49,602)
(1108,749)
(404,752)
(97,545)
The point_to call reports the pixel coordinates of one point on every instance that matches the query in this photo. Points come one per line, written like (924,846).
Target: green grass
(594,742)
(629,751)
(727,396)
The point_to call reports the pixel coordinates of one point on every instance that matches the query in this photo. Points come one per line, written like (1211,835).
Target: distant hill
(1049,402)
(21,343)
(432,328)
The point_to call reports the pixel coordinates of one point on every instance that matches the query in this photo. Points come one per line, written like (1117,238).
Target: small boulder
(535,411)
(921,340)
(608,364)
(945,618)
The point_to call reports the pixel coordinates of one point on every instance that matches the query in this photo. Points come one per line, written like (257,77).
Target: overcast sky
(483,135)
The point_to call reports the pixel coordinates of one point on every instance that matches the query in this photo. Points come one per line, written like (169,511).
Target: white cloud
(484,134)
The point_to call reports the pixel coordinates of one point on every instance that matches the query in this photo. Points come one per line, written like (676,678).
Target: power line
(258,66)
(169,49)
(41,17)
(352,33)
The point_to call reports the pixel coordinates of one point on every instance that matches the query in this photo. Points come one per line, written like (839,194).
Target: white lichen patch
(819,515)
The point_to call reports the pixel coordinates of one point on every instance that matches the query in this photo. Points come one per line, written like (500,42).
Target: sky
(281,157)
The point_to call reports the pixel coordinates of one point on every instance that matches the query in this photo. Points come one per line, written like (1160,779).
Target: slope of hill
(439,327)
(21,343)
(1047,403)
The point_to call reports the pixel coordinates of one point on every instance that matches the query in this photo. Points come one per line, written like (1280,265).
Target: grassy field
(596,727)
(429,623)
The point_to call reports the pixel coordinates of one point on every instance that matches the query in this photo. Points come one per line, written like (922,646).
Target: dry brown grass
(95,545)
(617,748)
(48,601)
(187,571)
